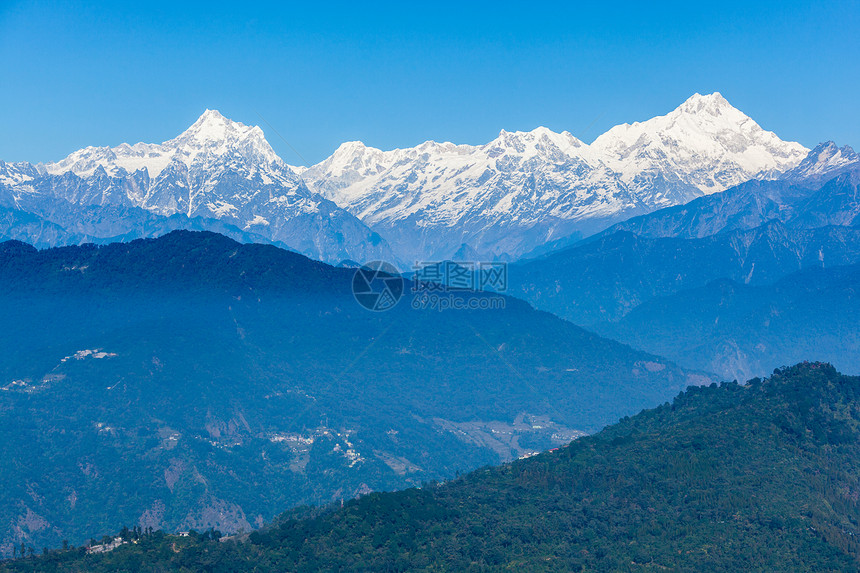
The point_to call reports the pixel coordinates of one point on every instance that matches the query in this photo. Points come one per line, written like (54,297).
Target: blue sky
(394,75)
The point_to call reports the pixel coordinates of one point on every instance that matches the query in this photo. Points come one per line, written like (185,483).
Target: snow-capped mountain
(217,169)
(511,196)
(704,145)
(821,190)
(824,162)
(521,189)
(524,189)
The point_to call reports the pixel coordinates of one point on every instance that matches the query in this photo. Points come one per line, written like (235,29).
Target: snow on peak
(505,195)
(826,158)
(209,139)
(212,127)
(539,142)
(709,103)
(829,152)
(350,148)
(703,146)
(705,142)
(215,135)
(355,156)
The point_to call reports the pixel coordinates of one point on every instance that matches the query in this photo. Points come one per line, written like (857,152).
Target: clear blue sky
(394,75)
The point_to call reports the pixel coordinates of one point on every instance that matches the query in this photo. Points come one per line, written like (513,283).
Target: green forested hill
(756,477)
(192,382)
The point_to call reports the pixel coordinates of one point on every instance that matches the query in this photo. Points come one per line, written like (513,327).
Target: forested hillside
(756,477)
(193,382)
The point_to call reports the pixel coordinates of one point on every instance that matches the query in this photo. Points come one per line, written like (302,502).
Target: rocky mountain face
(217,170)
(525,189)
(823,163)
(55,222)
(820,191)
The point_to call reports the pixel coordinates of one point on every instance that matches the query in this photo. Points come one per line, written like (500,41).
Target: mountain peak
(831,149)
(211,126)
(712,103)
(350,147)
(520,141)
(214,136)
(211,114)
(826,160)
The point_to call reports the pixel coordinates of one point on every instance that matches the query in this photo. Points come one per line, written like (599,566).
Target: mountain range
(604,279)
(498,201)
(523,189)
(820,191)
(223,379)
(661,266)
(703,182)
(191,381)
(217,175)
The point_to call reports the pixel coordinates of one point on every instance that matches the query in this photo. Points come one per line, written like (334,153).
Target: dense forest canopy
(758,476)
